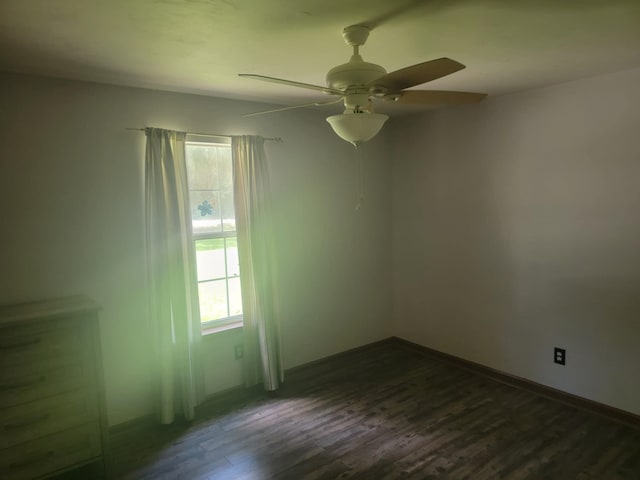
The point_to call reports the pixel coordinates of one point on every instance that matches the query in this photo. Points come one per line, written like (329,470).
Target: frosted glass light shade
(357,128)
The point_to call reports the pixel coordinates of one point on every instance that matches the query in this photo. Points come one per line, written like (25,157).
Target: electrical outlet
(559,356)
(238,352)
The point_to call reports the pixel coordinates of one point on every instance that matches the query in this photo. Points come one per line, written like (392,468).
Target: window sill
(222,328)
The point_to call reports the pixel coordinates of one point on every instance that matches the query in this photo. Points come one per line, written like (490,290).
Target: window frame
(232,321)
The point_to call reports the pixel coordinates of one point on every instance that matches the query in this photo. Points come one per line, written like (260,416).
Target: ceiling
(199,46)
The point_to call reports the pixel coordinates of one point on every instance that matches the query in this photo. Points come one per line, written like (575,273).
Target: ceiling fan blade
(282,109)
(291,83)
(417,74)
(436,97)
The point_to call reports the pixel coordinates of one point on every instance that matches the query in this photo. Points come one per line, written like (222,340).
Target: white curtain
(262,351)
(173,305)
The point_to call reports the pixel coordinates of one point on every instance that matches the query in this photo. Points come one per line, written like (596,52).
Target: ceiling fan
(357,83)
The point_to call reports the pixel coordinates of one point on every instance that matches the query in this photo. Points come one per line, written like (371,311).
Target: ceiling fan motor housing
(355,73)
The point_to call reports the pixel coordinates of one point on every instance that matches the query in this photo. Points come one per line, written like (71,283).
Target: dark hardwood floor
(385,412)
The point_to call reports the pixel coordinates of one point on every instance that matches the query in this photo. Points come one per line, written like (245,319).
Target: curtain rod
(271,139)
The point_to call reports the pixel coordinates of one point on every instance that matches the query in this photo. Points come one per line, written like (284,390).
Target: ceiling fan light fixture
(357,128)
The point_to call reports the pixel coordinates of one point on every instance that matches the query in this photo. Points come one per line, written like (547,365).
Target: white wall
(516,229)
(71,204)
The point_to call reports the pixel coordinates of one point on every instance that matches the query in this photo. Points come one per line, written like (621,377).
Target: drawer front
(44,417)
(36,347)
(19,387)
(48,454)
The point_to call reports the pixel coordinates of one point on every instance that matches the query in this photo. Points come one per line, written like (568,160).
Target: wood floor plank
(386,412)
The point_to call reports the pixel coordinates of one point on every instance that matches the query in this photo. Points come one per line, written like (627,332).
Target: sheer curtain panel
(173,305)
(254,224)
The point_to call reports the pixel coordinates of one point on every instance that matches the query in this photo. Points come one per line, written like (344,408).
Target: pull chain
(360,187)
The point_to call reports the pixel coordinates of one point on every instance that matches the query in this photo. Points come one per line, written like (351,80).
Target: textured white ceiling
(199,46)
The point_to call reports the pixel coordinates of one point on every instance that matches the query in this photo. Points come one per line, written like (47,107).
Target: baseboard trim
(234,394)
(300,368)
(229,396)
(621,416)
(143,421)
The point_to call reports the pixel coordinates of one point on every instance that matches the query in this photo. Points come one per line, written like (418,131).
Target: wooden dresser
(52,409)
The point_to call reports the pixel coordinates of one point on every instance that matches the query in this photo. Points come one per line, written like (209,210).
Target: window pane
(233,264)
(228,211)
(235,297)
(213,300)
(205,211)
(202,167)
(210,258)
(225,168)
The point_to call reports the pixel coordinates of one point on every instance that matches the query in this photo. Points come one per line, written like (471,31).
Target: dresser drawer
(25,386)
(49,415)
(41,345)
(36,458)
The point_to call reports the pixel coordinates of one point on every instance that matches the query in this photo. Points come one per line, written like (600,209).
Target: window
(209,175)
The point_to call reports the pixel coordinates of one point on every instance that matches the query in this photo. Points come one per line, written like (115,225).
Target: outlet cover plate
(559,356)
